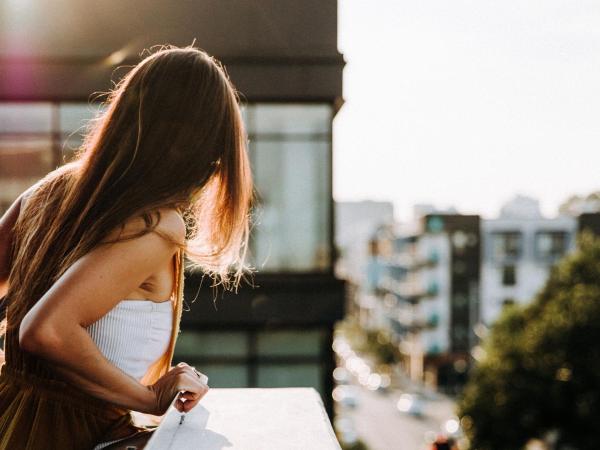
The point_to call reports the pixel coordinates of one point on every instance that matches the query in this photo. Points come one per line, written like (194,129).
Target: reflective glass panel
(271,118)
(191,343)
(291,232)
(296,343)
(290,375)
(222,375)
(25,117)
(75,116)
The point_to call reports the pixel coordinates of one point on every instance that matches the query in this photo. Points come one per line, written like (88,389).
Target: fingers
(185,367)
(187,395)
(188,400)
(180,405)
(189,405)
(193,389)
(182,368)
(198,376)
(192,399)
(187,384)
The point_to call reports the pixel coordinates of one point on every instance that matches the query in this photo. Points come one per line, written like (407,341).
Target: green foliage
(358,445)
(541,372)
(376,343)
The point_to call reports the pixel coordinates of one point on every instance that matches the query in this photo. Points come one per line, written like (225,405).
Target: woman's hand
(180,378)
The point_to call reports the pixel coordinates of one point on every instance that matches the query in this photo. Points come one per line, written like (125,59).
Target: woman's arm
(54,328)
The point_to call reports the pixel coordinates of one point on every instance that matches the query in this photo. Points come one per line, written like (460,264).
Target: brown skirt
(38,413)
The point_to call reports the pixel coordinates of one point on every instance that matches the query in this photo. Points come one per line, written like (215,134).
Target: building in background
(355,223)
(520,248)
(438,283)
(439,298)
(282,56)
(423,285)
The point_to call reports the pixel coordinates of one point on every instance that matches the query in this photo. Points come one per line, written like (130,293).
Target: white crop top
(134,334)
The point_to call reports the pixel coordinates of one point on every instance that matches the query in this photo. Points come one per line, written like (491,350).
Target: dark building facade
(282,56)
(425,285)
(589,222)
(464,242)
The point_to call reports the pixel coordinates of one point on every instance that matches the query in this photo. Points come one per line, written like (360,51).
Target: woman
(91,257)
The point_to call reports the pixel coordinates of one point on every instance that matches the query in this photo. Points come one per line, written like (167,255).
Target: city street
(381,426)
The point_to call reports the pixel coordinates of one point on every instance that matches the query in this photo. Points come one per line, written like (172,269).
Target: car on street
(411,404)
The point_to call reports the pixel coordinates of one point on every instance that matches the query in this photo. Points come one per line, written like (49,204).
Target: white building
(355,225)
(519,249)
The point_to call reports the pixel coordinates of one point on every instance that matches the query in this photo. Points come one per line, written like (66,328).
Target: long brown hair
(171,135)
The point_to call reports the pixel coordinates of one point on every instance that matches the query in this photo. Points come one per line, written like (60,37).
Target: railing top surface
(249,419)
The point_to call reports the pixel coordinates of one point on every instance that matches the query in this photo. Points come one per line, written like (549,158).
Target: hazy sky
(466,103)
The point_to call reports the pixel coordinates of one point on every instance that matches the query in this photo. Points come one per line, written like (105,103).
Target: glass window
(192,343)
(75,116)
(25,141)
(290,375)
(459,300)
(434,349)
(244,107)
(506,245)
(73,120)
(460,333)
(551,245)
(432,288)
(31,117)
(508,302)
(509,276)
(292,216)
(291,153)
(272,118)
(34,138)
(25,158)
(290,148)
(285,343)
(223,375)
(27,150)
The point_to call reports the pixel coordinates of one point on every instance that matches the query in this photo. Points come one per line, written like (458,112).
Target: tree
(541,372)
(576,205)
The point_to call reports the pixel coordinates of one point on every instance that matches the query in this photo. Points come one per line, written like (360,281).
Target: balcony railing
(249,419)
(414,322)
(411,291)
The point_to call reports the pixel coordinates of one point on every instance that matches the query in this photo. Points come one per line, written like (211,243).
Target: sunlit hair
(171,135)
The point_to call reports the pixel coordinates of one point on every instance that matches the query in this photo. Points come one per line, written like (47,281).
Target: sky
(467,103)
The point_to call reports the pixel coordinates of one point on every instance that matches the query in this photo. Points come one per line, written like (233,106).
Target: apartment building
(427,281)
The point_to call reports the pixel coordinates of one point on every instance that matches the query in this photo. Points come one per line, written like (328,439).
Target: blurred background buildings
(439,283)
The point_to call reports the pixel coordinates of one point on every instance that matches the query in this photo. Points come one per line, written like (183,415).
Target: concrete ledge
(249,419)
